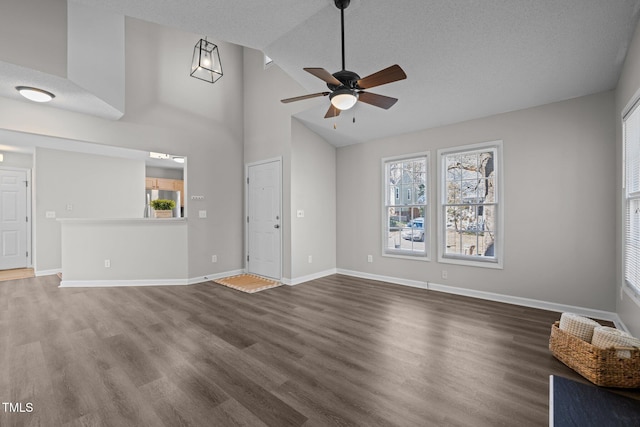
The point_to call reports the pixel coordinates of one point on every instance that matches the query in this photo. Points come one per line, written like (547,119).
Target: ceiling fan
(346,87)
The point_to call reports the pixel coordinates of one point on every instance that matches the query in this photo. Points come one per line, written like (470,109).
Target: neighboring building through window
(470,205)
(405,229)
(631,138)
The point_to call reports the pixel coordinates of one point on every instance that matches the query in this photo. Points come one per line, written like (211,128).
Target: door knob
(276,226)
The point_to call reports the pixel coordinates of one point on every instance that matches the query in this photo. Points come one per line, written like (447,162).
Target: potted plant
(163,208)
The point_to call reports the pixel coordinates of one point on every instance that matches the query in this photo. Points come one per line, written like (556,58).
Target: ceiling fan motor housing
(342,4)
(349,80)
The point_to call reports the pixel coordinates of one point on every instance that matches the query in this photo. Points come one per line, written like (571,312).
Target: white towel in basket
(579,326)
(606,337)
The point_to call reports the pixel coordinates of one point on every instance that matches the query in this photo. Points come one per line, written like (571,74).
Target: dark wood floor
(334,351)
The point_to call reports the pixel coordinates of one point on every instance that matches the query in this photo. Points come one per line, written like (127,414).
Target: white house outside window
(470,205)
(405,216)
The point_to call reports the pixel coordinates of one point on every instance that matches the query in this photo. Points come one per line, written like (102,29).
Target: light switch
(69,207)
(202,214)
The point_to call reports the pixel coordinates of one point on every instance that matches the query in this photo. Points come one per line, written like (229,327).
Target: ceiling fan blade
(332,112)
(382,77)
(323,74)
(300,98)
(374,99)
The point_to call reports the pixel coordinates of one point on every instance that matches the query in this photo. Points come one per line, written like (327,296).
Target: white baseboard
(214,276)
(120,283)
(145,282)
(298,280)
(51,272)
(388,279)
(526,302)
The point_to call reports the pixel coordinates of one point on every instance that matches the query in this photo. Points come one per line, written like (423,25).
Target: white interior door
(13,219)
(264,232)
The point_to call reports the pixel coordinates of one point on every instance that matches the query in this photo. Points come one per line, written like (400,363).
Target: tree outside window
(469,220)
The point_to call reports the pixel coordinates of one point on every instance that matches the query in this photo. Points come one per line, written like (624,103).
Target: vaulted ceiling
(464,59)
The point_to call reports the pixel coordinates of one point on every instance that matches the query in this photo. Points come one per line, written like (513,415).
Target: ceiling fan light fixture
(344,98)
(347,88)
(35,94)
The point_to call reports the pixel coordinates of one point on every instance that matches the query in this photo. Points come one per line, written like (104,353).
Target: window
(470,205)
(405,229)
(631,138)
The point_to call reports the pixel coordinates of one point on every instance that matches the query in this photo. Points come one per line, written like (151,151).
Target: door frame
(28,196)
(246,211)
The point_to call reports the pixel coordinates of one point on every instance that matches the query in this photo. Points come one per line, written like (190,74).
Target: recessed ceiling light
(35,94)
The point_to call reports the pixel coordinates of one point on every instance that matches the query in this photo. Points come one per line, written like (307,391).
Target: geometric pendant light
(205,64)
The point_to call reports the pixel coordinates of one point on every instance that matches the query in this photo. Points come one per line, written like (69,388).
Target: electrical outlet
(107,263)
(369,258)
(214,258)
(50,214)
(445,274)
(310,259)
(69,207)
(202,214)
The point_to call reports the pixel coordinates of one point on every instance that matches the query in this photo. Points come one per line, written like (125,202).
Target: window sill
(470,262)
(405,256)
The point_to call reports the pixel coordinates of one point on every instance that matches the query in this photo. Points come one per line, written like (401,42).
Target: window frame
(497,261)
(628,196)
(403,253)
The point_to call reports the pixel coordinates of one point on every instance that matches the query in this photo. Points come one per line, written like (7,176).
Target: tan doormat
(249,283)
(17,273)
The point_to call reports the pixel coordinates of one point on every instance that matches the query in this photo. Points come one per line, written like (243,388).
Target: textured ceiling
(69,96)
(464,59)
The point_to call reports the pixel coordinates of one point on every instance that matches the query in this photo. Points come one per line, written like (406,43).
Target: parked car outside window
(414,230)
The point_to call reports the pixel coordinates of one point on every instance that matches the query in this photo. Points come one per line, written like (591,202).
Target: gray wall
(33,34)
(313,190)
(95,187)
(17,160)
(628,91)
(308,165)
(155,251)
(559,171)
(267,129)
(169,111)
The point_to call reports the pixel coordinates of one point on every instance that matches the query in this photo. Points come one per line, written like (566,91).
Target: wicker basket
(600,366)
